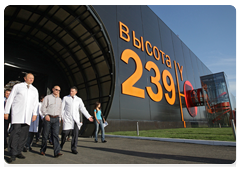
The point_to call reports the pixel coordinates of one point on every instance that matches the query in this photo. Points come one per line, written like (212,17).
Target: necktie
(28,86)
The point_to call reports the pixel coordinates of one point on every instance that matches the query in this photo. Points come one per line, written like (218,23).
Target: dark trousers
(30,139)
(6,124)
(74,141)
(40,127)
(18,138)
(47,126)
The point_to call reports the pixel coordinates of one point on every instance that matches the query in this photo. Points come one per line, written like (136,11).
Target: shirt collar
(54,96)
(73,96)
(27,84)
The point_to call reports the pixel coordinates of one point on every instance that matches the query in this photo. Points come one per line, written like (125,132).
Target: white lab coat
(70,112)
(34,125)
(23,102)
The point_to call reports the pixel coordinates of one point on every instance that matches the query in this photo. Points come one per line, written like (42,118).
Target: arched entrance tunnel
(61,45)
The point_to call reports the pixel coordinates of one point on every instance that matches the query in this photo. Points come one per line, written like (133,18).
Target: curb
(201,142)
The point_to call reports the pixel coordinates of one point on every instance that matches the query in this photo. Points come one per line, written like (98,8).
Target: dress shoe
(95,141)
(42,153)
(59,154)
(13,158)
(104,141)
(20,156)
(74,151)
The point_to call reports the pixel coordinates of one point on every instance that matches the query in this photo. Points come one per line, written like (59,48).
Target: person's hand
(47,118)
(98,122)
(6,116)
(34,117)
(90,119)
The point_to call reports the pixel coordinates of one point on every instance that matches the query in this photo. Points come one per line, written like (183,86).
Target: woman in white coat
(71,105)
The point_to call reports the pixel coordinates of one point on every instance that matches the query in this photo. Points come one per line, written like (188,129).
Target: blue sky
(209,31)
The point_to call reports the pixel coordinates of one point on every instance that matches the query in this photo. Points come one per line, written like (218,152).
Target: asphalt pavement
(130,151)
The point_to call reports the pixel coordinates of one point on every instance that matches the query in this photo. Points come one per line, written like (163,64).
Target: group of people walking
(26,112)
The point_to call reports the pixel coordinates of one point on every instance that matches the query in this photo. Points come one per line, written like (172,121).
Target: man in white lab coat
(23,100)
(71,105)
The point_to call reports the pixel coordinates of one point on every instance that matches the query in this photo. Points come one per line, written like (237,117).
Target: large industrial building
(123,56)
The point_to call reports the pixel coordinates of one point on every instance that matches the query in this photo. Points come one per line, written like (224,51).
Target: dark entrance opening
(15,74)
(62,45)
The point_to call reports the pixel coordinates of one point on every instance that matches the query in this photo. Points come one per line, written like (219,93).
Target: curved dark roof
(75,40)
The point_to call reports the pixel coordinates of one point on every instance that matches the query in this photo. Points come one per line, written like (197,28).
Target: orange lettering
(168,61)
(162,53)
(169,87)
(125,32)
(138,44)
(146,46)
(155,80)
(142,43)
(127,85)
(158,55)
(180,70)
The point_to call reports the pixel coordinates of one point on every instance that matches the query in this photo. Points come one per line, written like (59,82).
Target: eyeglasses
(57,90)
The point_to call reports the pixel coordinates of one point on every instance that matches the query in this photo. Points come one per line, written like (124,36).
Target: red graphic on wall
(189,98)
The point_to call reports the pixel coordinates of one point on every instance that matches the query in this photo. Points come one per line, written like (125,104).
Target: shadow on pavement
(165,156)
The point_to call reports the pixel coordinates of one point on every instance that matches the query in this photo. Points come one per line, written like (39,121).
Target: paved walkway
(131,151)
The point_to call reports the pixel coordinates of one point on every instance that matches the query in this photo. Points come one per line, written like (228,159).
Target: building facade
(123,56)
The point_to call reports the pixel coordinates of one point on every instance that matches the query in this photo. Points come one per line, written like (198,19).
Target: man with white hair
(23,100)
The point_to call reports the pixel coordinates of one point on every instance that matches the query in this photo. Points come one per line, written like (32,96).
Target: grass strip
(219,134)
